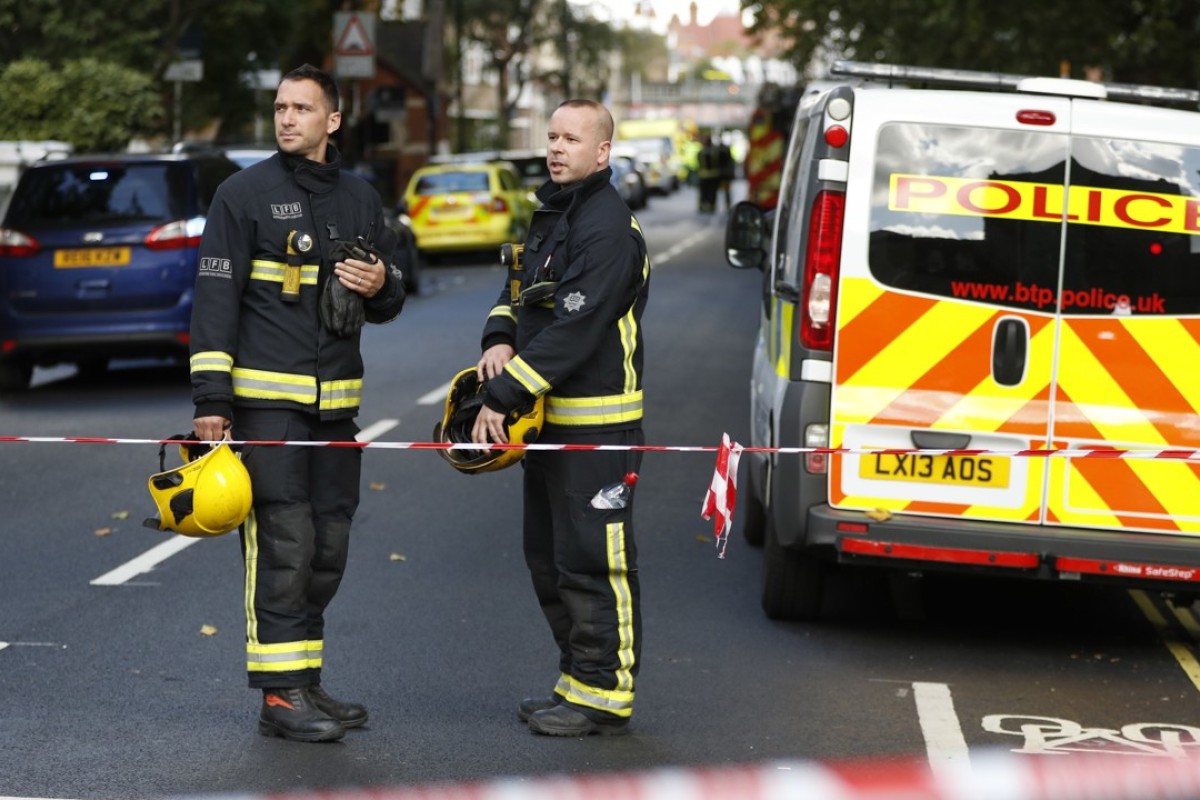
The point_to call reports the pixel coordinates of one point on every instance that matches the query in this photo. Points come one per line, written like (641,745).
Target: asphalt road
(119,680)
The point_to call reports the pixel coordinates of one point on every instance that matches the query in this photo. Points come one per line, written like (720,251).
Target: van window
(976,214)
(791,221)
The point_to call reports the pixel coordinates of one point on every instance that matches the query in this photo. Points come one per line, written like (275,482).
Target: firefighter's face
(303,122)
(577,146)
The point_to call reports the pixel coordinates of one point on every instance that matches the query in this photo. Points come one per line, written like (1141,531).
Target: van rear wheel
(754,519)
(793,582)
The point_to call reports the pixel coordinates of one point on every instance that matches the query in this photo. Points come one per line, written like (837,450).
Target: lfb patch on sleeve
(574,301)
(216,268)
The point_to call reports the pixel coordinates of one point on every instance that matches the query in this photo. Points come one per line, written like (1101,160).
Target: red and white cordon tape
(992,775)
(1176,453)
(721,497)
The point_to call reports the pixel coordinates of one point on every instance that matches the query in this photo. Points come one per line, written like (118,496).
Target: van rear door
(1028,280)
(1129,354)
(946,320)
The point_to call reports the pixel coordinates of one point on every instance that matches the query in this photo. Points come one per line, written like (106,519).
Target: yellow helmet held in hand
(463,402)
(208,496)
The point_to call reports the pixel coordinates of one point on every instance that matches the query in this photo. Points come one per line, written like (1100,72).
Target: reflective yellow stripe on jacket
(274,270)
(211,361)
(605,410)
(259,384)
(527,376)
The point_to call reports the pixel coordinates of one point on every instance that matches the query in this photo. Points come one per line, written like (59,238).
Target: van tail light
(498,206)
(16,244)
(816,436)
(176,235)
(821,259)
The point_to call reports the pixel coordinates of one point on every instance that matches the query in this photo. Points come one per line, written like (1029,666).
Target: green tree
(1134,41)
(91,104)
(508,30)
(233,37)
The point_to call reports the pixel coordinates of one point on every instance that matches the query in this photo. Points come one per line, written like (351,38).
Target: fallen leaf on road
(208,630)
(397,557)
(376,486)
(102,531)
(120,515)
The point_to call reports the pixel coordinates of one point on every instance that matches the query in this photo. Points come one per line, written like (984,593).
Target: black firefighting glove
(341,309)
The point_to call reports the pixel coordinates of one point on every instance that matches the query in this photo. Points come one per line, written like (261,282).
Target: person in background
(295,258)
(709,175)
(571,332)
(727,170)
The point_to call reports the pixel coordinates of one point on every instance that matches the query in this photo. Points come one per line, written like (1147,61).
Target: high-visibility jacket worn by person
(579,302)
(264,261)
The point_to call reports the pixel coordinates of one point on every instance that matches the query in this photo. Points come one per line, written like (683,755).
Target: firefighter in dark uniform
(283,288)
(570,331)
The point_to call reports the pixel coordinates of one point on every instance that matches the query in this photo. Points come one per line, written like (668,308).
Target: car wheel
(92,368)
(793,582)
(15,376)
(412,271)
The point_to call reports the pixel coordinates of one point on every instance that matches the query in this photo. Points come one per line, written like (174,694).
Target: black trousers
(583,563)
(295,540)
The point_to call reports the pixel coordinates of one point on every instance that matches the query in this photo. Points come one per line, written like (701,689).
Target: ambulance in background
(961,283)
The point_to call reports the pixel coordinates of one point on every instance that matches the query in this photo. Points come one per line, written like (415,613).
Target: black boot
(350,715)
(567,720)
(291,714)
(531,705)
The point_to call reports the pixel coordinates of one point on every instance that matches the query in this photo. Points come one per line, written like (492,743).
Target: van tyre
(15,376)
(754,519)
(793,582)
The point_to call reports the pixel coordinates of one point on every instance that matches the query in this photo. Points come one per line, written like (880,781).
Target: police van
(980,331)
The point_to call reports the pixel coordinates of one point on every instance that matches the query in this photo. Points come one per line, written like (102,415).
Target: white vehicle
(959,283)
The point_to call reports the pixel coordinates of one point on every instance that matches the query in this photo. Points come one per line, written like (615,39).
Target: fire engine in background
(955,278)
(767,135)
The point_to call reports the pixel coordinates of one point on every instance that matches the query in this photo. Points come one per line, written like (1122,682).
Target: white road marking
(436,396)
(373,432)
(945,746)
(658,259)
(145,562)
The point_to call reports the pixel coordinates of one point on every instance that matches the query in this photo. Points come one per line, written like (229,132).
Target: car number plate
(985,471)
(91,257)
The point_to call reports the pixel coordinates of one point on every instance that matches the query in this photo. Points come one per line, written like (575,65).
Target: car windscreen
(447,182)
(66,195)
(978,215)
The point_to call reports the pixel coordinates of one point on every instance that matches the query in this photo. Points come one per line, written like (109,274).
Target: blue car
(98,259)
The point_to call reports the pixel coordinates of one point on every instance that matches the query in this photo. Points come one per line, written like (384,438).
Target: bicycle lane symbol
(946,745)
(1053,736)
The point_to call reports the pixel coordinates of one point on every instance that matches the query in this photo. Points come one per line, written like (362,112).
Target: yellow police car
(467,206)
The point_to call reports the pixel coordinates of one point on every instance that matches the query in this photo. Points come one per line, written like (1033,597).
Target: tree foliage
(120,39)
(1131,41)
(91,104)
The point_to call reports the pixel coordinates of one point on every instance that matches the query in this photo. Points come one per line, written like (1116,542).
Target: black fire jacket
(576,320)
(249,345)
